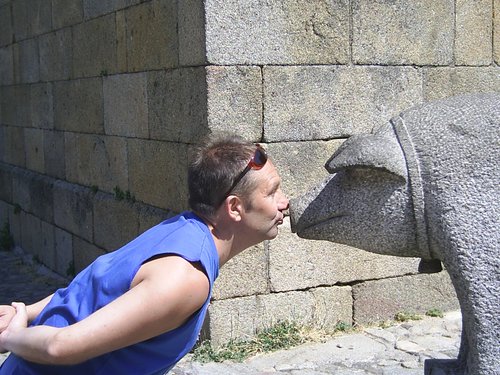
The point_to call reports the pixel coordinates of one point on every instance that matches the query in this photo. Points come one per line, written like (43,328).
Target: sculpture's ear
(377,151)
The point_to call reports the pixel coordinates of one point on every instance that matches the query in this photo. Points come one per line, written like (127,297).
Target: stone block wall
(100,102)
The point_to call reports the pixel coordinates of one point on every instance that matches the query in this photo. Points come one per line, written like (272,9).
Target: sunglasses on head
(257,161)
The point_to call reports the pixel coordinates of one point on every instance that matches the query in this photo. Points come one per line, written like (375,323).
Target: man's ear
(234,207)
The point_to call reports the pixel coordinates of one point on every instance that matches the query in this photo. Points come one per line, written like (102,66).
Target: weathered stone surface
(321,102)
(496,31)
(177,104)
(115,222)
(234,100)
(191,32)
(15,105)
(121,41)
(55,165)
(240,318)
(5,183)
(13,140)
(26,61)
(42,113)
(277,32)
(56,55)
(96,8)
(445,82)
(398,32)
(150,216)
(41,197)
(70,114)
(33,147)
(31,18)
(152,41)
(84,253)
(64,252)
(473,35)
(376,301)
(47,251)
(31,233)
(6,32)
(94,47)
(73,210)
(244,275)
(157,173)
(6,66)
(95,160)
(301,164)
(295,263)
(67,12)
(125,105)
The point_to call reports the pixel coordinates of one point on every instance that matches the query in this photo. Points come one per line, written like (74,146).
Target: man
(139,310)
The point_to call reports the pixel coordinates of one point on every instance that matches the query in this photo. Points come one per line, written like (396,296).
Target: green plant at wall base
(406,316)
(6,239)
(436,313)
(283,335)
(17,208)
(94,189)
(123,195)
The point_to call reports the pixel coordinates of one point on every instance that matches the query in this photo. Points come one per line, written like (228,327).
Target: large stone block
(6,66)
(152,41)
(31,234)
(54,154)
(241,318)
(84,253)
(125,105)
(56,55)
(15,105)
(94,47)
(397,32)
(473,32)
(234,100)
(20,19)
(5,183)
(115,222)
(33,146)
(6,32)
(301,164)
(376,301)
(13,140)
(47,252)
(321,102)
(277,32)
(42,113)
(446,82)
(31,18)
(64,252)
(496,31)
(295,263)
(244,275)
(94,160)
(158,173)
(26,61)
(121,41)
(73,210)
(70,114)
(67,13)
(21,194)
(177,104)
(96,8)
(150,216)
(191,32)
(41,197)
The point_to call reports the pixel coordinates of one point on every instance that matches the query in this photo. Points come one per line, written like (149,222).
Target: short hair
(213,167)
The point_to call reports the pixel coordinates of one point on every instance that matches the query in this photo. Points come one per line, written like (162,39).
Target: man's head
(213,172)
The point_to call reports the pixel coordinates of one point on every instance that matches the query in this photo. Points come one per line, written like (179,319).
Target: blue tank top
(110,276)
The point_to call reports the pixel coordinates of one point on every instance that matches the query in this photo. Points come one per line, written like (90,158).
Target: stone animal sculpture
(425,185)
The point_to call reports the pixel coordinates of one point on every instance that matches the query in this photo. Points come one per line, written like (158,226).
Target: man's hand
(6,315)
(14,318)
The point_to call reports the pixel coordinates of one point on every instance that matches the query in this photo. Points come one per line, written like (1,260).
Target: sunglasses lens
(259,158)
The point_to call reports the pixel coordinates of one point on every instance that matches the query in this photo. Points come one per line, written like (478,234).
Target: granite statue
(426,184)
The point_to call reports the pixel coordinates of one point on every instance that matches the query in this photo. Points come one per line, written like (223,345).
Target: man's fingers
(21,317)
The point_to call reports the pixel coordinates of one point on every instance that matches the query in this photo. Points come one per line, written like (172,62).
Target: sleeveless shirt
(110,276)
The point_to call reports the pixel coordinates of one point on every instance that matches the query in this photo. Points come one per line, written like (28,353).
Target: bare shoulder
(173,275)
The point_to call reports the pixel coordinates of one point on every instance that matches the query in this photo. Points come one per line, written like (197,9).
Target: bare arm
(7,312)
(165,292)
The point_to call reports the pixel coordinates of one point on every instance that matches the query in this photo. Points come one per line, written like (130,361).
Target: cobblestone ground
(22,279)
